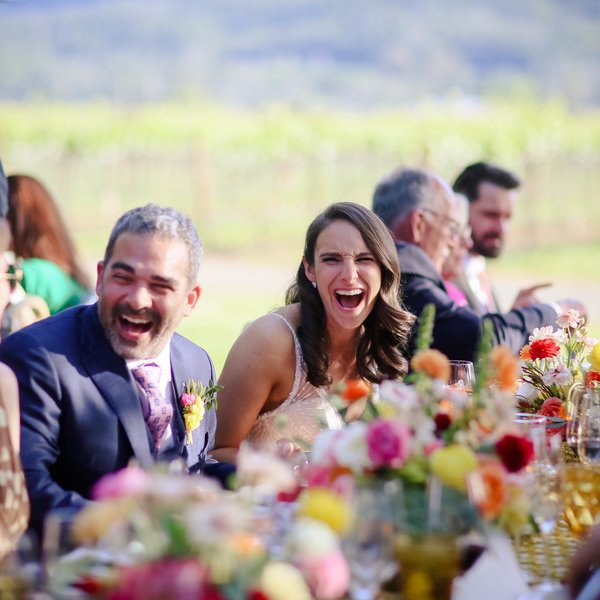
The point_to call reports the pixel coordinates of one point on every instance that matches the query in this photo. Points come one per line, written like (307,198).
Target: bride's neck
(342,361)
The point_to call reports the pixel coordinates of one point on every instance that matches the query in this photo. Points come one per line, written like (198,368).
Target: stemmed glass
(574,408)
(588,435)
(369,546)
(462,376)
(544,487)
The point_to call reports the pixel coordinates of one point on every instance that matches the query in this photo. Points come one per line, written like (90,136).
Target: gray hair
(403,192)
(165,222)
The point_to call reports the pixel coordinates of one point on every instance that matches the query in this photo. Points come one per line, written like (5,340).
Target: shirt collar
(163,360)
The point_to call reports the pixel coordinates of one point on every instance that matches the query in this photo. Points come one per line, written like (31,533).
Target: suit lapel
(112,378)
(178,378)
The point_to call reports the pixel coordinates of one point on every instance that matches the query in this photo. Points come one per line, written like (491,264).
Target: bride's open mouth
(349,298)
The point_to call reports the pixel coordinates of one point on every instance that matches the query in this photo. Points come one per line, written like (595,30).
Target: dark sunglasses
(14,275)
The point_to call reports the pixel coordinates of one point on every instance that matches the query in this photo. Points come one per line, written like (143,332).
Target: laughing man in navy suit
(84,408)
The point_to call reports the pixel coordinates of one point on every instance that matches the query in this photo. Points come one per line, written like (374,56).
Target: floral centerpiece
(554,361)
(173,536)
(421,427)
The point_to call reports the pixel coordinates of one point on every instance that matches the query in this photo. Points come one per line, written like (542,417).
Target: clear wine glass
(544,488)
(462,376)
(574,408)
(588,435)
(369,546)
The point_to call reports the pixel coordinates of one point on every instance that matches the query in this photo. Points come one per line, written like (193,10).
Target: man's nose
(139,297)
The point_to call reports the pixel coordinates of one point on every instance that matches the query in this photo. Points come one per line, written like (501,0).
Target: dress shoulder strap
(299,361)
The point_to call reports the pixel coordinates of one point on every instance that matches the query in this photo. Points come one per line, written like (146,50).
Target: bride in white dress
(342,321)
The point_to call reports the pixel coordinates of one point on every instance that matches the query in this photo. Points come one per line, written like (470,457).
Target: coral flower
(505,366)
(591,377)
(432,363)
(355,390)
(490,488)
(546,348)
(524,354)
(553,407)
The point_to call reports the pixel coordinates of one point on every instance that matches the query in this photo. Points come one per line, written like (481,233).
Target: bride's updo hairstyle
(386,330)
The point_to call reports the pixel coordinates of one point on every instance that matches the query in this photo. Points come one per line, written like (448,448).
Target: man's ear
(99,271)
(416,225)
(309,270)
(192,298)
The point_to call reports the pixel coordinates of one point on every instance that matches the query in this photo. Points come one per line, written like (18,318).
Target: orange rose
(355,390)
(431,362)
(488,488)
(553,407)
(505,367)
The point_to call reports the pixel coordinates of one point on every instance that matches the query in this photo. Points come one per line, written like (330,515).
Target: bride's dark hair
(385,334)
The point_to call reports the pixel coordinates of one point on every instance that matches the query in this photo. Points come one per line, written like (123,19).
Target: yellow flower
(97,519)
(452,464)
(326,506)
(594,357)
(282,581)
(515,516)
(431,362)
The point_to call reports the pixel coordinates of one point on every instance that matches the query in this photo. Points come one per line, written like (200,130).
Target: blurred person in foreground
(418,207)
(43,246)
(14,503)
(342,321)
(101,384)
(584,573)
(492,194)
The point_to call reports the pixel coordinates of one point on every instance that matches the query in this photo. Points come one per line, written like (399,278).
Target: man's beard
(159,331)
(482,247)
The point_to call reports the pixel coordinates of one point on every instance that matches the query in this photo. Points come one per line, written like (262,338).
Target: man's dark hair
(468,181)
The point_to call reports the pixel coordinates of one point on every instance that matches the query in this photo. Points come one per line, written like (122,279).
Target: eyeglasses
(455,227)
(14,276)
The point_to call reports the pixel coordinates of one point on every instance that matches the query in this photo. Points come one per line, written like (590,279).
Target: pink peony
(327,576)
(131,481)
(388,443)
(187,399)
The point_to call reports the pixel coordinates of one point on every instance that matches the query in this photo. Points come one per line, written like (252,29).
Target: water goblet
(588,434)
(369,546)
(533,427)
(462,376)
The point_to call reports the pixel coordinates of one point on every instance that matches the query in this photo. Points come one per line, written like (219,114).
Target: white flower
(541,333)
(561,336)
(260,468)
(322,451)
(309,538)
(528,391)
(570,318)
(399,395)
(559,375)
(351,448)
(586,340)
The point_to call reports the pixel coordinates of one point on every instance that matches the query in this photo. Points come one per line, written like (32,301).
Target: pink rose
(187,399)
(327,576)
(388,443)
(131,481)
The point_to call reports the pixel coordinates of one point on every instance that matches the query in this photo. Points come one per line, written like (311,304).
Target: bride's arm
(258,374)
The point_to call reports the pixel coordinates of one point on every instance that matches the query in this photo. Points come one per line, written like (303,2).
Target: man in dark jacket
(418,208)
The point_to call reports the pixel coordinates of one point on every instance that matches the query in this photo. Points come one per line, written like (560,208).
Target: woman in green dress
(43,246)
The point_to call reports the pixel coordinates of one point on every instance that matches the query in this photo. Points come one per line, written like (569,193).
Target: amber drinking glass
(582,496)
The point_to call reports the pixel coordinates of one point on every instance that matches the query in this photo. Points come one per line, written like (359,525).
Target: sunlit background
(253,116)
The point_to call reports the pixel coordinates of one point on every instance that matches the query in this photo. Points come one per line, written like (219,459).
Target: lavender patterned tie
(160,410)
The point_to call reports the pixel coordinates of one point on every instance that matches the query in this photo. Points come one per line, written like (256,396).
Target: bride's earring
(314,284)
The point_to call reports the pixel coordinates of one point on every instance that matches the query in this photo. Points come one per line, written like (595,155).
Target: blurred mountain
(365,54)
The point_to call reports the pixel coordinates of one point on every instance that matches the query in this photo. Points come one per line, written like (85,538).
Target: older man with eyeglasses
(418,208)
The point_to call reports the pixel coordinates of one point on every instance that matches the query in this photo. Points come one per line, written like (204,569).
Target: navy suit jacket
(457,329)
(81,415)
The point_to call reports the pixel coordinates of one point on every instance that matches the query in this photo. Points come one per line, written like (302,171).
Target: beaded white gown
(302,415)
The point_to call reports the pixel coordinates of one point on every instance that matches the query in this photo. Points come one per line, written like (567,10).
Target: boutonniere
(195,399)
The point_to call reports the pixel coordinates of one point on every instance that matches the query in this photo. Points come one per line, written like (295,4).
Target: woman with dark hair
(342,321)
(41,239)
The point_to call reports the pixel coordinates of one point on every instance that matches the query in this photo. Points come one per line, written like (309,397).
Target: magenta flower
(388,443)
(131,481)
